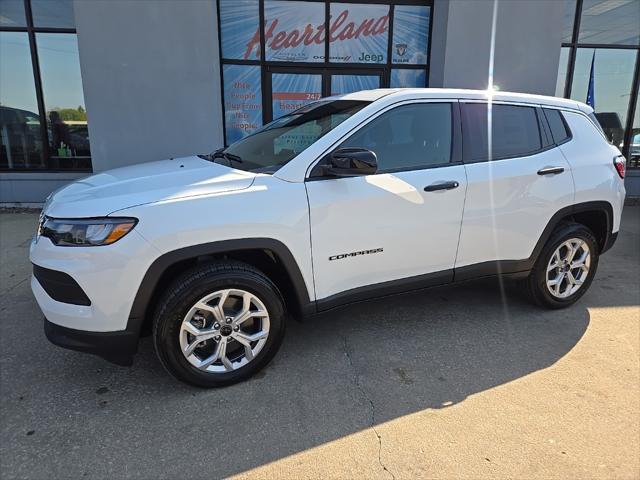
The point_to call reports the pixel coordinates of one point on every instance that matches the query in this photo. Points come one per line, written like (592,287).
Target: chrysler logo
(401,48)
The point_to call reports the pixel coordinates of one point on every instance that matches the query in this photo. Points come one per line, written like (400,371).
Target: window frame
(541,120)
(31,31)
(313,171)
(573,46)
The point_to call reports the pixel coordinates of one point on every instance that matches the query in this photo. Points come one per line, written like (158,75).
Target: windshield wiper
(220,153)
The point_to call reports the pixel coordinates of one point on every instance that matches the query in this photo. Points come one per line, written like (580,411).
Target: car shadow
(336,374)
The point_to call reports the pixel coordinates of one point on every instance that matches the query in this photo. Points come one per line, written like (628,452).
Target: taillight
(621,165)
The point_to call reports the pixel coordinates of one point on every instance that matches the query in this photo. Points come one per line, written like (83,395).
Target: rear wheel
(219,324)
(565,268)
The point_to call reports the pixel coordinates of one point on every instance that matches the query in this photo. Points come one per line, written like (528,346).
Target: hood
(107,192)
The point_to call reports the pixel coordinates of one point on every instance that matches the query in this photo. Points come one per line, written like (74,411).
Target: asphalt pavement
(454,382)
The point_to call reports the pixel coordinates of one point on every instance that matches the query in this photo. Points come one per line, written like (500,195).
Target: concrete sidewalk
(447,383)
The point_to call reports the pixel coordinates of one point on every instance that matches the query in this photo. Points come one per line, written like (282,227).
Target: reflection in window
(562,71)
(610,22)
(12,13)
(64,101)
(48,13)
(408,78)
(21,138)
(613,76)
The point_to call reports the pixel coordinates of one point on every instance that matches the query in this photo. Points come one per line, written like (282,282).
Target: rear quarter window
(559,129)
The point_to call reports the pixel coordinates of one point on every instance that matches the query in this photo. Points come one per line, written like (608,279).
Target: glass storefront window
(562,71)
(240,29)
(308,49)
(43,119)
(291,91)
(410,34)
(342,84)
(12,13)
(48,13)
(613,77)
(20,133)
(358,33)
(242,100)
(408,78)
(289,35)
(64,100)
(610,22)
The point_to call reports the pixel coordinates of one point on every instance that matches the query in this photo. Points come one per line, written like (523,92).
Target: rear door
(384,231)
(517,180)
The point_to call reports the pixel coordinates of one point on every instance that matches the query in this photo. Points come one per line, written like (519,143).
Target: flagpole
(591,97)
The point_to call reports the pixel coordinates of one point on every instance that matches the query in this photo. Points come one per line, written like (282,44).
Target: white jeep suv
(348,198)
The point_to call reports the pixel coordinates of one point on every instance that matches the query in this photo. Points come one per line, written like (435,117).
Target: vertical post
(45,158)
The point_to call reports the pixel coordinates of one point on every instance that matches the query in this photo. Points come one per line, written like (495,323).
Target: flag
(591,97)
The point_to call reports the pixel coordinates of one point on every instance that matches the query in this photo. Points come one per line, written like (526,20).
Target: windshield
(278,142)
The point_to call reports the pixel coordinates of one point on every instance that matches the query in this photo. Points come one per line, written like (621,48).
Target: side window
(408,137)
(559,129)
(515,131)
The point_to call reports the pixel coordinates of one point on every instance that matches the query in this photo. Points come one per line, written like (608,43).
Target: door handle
(441,186)
(550,170)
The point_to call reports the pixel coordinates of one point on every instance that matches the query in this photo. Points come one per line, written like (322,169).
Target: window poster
(358,33)
(240,32)
(294,31)
(408,77)
(242,100)
(292,90)
(341,84)
(410,34)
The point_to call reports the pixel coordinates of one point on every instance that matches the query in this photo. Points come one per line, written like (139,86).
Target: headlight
(86,232)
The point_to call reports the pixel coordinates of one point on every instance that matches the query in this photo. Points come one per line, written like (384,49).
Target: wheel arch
(596,215)
(269,255)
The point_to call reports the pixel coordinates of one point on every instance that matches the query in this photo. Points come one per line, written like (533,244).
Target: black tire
(192,286)
(535,285)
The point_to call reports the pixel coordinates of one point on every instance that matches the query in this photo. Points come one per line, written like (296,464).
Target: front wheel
(565,268)
(218,324)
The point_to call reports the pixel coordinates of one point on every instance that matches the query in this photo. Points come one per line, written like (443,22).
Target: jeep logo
(367,57)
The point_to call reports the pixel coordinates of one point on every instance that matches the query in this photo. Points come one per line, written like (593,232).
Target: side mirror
(351,162)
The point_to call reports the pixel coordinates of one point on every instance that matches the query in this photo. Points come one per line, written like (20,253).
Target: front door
(398,228)
(292,87)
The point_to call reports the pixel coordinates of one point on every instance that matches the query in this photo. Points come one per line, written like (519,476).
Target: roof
(408,93)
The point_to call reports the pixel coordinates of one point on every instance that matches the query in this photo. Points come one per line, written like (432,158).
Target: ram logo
(355,254)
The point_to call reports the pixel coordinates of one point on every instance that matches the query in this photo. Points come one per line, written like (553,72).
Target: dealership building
(90,85)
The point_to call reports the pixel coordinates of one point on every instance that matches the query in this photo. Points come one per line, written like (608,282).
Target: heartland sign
(286,43)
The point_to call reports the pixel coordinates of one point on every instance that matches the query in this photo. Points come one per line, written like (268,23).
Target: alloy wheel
(224,330)
(568,268)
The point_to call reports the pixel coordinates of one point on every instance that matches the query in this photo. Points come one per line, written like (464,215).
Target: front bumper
(116,347)
(86,294)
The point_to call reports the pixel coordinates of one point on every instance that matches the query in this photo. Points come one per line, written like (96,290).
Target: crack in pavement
(364,393)
(13,287)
